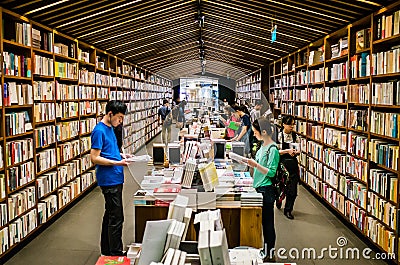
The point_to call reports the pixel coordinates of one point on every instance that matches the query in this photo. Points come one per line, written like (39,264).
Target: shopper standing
(181,114)
(165,115)
(265,166)
(245,127)
(105,155)
(289,160)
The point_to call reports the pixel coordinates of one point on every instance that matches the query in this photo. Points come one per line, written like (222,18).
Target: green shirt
(271,162)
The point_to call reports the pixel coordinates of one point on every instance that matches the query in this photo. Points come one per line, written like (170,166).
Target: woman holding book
(287,139)
(265,166)
(231,117)
(245,127)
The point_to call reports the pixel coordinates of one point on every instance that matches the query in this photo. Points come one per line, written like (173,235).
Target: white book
(169,256)
(177,208)
(154,238)
(170,233)
(204,248)
(186,221)
(219,248)
(177,256)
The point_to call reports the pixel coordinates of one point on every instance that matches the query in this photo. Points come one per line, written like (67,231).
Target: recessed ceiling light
(46,6)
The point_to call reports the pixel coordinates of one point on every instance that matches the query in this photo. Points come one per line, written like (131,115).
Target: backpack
(281,177)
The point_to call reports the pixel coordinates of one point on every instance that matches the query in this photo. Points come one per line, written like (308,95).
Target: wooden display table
(243,224)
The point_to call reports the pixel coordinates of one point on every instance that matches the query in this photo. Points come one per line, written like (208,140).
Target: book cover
(113,260)
(232,125)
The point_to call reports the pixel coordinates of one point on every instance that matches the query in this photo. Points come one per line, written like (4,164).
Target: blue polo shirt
(103,138)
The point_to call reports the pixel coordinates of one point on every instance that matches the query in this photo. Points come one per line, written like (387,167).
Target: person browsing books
(165,114)
(245,127)
(231,117)
(265,166)
(286,137)
(109,163)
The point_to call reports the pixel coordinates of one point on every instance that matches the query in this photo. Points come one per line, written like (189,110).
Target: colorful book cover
(113,260)
(233,126)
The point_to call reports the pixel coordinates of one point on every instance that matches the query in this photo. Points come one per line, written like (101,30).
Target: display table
(243,224)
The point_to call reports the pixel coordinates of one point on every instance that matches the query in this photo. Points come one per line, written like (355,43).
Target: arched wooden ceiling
(162,35)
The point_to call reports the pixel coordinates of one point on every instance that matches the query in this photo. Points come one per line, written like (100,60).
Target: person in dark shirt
(106,155)
(245,127)
(165,115)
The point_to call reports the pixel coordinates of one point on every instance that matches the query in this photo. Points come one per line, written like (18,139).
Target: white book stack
(251,199)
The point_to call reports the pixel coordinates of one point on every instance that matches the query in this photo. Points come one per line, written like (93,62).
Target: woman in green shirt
(265,166)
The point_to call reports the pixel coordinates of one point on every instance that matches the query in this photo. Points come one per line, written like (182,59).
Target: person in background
(165,116)
(231,116)
(265,166)
(288,157)
(256,111)
(245,127)
(181,114)
(109,163)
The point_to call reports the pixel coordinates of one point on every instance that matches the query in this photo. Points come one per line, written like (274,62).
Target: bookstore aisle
(74,237)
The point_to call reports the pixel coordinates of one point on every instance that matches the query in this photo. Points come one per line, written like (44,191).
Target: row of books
(44,112)
(386,93)
(67,151)
(335,159)
(87,125)
(20,94)
(22,226)
(20,175)
(388,25)
(87,77)
(386,62)
(45,159)
(384,153)
(383,210)
(384,183)
(45,135)
(44,90)
(23,33)
(17,123)
(354,190)
(42,40)
(18,151)
(17,65)
(335,138)
(358,119)
(357,145)
(87,108)
(385,124)
(335,116)
(360,65)
(67,50)
(66,70)
(43,65)
(20,202)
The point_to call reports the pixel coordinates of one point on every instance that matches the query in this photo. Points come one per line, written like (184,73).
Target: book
(113,260)
(232,125)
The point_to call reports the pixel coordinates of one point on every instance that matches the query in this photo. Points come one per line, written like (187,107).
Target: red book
(113,260)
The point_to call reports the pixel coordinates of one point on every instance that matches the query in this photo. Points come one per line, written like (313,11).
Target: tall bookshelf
(248,88)
(55,89)
(344,92)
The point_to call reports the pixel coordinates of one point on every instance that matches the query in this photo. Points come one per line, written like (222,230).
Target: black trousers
(268,218)
(111,230)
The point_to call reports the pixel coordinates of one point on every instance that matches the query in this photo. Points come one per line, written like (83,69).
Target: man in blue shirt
(110,176)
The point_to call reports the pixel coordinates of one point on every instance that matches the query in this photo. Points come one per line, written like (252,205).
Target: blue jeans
(268,218)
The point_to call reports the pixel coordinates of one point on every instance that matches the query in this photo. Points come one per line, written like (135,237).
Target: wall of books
(249,88)
(55,89)
(344,91)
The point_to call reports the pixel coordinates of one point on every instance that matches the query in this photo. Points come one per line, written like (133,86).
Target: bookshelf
(249,88)
(348,121)
(55,89)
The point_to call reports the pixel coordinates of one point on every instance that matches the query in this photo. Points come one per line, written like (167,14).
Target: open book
(142,158)
(239,158)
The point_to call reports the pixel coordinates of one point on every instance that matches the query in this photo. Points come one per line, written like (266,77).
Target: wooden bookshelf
(363,80)
(92,73)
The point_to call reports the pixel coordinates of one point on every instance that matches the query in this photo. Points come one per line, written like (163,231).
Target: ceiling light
(46,6)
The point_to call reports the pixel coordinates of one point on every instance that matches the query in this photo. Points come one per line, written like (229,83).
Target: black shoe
(269,259)
(289,215)
(278,204)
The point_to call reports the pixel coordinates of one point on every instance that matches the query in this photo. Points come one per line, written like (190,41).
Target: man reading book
(109,163)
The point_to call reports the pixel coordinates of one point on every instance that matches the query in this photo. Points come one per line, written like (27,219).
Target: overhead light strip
(161,40)
(241,10)
(46,6)
(134,19)
(139,29)
(99,13)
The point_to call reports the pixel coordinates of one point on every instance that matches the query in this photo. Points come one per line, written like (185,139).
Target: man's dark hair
(288,119)
(165,101)
(236,107)
(116,106)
